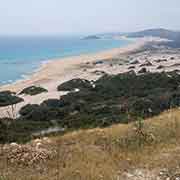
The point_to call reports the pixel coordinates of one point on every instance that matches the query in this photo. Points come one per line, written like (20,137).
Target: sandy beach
(55,72)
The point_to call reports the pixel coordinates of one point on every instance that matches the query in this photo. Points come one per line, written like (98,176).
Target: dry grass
(108,154)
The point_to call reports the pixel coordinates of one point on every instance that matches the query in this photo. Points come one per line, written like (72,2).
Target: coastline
(55,72)
(51,70)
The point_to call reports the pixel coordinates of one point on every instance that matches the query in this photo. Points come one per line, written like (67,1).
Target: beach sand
(57,69)
(55,72)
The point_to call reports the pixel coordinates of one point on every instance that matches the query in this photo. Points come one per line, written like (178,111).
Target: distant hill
(92,37)
(162,33)
(158,32)
(107,35)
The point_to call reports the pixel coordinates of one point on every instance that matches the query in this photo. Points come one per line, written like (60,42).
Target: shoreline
(51,69)
(89,66)
(38,64)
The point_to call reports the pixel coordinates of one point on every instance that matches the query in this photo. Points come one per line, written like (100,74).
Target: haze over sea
(21,56)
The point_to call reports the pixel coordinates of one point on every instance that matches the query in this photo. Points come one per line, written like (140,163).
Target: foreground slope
(136,151)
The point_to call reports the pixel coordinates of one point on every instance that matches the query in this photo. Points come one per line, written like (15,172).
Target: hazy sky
(86,16)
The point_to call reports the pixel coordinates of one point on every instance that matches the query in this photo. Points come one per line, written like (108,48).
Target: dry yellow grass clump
(145,150)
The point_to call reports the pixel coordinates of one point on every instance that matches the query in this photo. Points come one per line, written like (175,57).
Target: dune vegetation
(9,98)
(33,90)
(112,99)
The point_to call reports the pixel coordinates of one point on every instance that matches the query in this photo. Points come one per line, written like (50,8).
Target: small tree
(11,111)
(139,129)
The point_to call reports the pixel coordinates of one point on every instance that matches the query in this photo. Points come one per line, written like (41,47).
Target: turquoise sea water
(20,56)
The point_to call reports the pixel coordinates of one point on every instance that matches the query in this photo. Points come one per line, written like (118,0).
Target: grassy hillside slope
(140,150)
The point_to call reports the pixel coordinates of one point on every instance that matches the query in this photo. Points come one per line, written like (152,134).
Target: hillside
(137,151)
(122,125)
(174,36)
(112,99)
(91,37)
(156,32)
(162,33)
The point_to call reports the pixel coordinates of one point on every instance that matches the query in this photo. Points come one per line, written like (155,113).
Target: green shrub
(33,90)
(52,103)
(9,98)
(143,70)
(142,107)
(19,130)
(34,112)
(74,84)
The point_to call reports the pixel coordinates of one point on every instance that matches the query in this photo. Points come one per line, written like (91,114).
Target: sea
(22,56)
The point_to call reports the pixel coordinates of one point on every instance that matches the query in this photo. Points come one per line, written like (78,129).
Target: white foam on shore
(44,62)
(55,67)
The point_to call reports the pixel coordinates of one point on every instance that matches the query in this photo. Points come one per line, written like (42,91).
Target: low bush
(20,131)
(9,98)
(74,84)
(143,70)
(33,90)
(34,112)
(52,103)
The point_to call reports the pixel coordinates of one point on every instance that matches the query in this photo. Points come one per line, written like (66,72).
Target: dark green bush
(141,107)
(74,84)
(9,98)
(27,109)
(33,90)
(143,70)
(52,103)
(20,131)
(34,112)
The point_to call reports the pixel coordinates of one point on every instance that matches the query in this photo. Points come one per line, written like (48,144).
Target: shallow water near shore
(21,56)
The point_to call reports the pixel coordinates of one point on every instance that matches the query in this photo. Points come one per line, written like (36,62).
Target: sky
(21,17)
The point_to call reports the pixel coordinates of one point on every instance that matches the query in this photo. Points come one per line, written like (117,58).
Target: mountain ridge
(153,32)
(159,32)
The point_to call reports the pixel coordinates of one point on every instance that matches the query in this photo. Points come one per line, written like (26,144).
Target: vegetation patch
(33,90)
(9,98)
(160,67)
(112,99)
(143,70)
(131,67)
(20,131)
(146,64)
(75,84)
